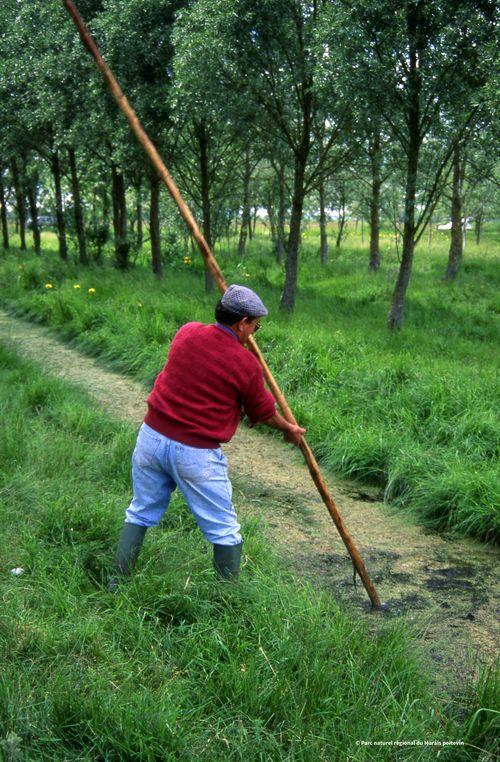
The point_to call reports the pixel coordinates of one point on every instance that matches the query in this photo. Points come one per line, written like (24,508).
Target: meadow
(178,665)
(414,413)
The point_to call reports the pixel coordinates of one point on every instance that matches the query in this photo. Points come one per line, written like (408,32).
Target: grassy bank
(414,413)
(177,666)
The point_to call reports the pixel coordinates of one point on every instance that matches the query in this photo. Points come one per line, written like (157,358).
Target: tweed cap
(243,301)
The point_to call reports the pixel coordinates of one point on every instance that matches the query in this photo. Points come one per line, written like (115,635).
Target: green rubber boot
(227,561)
(129,547)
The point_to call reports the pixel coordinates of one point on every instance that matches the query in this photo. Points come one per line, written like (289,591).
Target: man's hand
(294,434)
(291,431)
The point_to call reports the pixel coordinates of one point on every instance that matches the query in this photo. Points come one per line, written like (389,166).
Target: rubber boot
(129,547)
(227,561)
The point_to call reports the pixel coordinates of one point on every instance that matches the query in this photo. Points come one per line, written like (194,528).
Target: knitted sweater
(209,378)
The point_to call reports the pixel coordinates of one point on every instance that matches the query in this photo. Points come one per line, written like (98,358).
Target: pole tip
(380,608)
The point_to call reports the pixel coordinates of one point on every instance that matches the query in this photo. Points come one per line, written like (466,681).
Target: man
(196,404)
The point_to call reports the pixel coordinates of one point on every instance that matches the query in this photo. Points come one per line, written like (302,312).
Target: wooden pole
(209,258)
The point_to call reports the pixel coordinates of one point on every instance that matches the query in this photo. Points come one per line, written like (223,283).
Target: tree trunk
(138,214)
(205,197)
(61,225)
(77,208)
(280,228)
(374,262)
(3,214)
(456,243)
(289,292)
(125,244)
(323,253)
(478,223)
(115,204)
(245,212)
(94,208)
(395,317)
(154,224)
(254,221)
(32,187)
(341,224)
(271,215)
(122,245)
(20,203)
(105,208)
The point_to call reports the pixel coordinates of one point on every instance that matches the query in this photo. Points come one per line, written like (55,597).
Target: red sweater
(209,377)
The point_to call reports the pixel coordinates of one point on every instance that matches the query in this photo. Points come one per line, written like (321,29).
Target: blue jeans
(160,464)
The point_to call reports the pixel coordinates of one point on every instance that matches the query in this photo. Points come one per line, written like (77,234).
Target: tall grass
(177,665)
(414,412)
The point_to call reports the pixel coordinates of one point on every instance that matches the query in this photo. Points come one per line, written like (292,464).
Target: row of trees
(383,106)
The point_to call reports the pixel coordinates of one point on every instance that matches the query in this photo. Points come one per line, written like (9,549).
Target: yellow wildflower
(49,285)
(77,285)
(91,290)
(187,260)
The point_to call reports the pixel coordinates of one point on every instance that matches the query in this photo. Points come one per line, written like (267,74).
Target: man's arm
(292,433)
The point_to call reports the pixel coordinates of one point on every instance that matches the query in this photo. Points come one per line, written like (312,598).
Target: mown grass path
(447,588)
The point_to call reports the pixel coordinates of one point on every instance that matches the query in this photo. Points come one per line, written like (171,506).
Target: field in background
(178,665)
(413,413)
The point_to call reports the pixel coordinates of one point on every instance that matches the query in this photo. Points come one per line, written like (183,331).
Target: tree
(18,179)
(265,55)
(136,41)
(48,82)
(3,211)
(32,186)
(419,57)
(214,128)
(456,244)
(249,164)
(471,168)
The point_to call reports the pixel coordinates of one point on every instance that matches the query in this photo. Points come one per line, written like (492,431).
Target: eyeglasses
(255,327)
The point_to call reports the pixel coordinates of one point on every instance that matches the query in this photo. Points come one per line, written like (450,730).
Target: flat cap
(243,301)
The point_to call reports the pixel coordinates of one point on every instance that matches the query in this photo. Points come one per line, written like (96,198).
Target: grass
(414,413)
(177,665)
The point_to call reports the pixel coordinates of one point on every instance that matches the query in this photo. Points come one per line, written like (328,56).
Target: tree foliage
(285,105)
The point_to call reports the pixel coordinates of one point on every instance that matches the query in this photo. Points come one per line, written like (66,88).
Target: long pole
(211,262)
